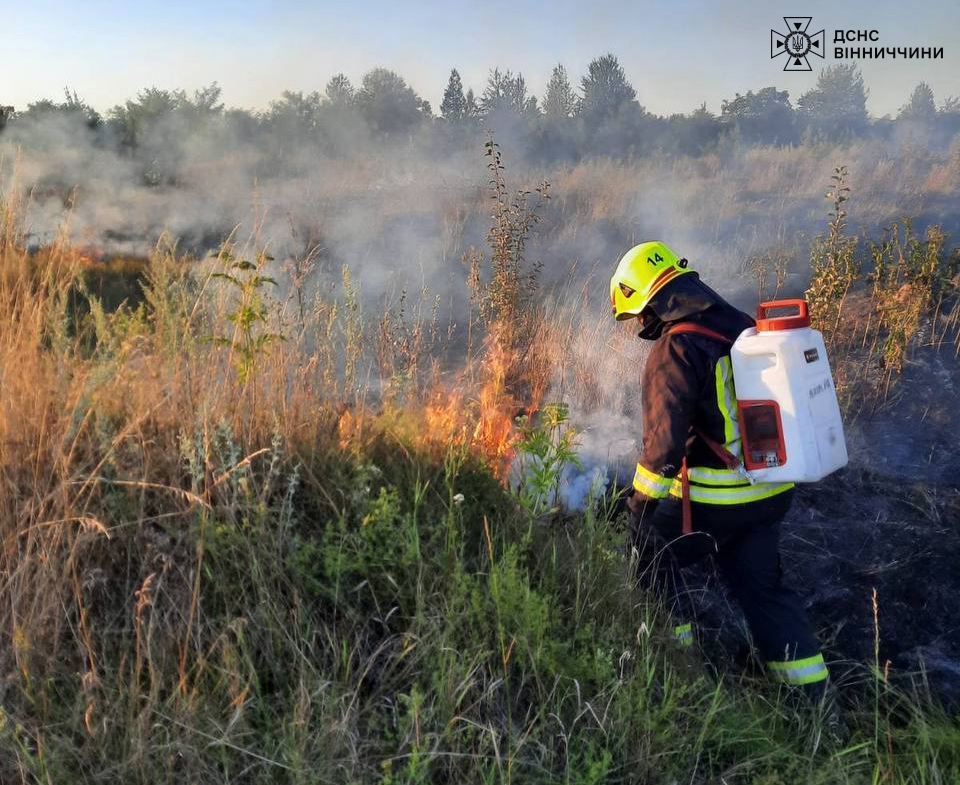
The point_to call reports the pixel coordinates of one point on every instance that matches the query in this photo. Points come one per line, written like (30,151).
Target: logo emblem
(797,43)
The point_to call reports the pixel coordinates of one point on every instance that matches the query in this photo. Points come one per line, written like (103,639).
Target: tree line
(600,116)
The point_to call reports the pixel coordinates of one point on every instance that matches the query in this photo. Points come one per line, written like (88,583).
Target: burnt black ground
(890,521)
(861,531)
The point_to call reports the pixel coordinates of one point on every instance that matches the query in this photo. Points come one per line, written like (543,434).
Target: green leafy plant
(545,448)
(870,319)
(835,265)
(250,313)
(911,278)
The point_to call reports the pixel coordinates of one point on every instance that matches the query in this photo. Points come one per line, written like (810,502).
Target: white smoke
(580,489)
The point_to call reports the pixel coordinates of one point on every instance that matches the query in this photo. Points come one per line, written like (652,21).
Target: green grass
(337,619)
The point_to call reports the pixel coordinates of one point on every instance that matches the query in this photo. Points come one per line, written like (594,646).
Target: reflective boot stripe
(806,671)
(683,634)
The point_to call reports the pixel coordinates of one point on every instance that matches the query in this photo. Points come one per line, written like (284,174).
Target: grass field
(255,531)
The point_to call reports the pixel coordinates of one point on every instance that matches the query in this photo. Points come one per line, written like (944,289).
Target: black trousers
(744,541)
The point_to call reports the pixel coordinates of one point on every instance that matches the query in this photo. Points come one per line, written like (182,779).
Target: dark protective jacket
(687,389)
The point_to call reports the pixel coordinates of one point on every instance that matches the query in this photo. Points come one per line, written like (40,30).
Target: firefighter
(690,495)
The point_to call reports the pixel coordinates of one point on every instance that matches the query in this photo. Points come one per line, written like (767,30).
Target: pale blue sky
(676,54)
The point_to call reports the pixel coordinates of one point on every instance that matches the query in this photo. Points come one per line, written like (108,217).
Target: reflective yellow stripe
(727,403)
(806,671)
(707,485)
(707,476)
(656,486)
(736,495)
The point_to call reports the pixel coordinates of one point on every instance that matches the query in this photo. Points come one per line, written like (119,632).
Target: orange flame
(485,420)
(494,434)
(477,411)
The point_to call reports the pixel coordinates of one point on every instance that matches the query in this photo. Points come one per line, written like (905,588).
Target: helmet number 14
(657,258)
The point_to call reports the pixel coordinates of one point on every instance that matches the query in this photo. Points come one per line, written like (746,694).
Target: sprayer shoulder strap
(728,458)
(699,329)
(731,461)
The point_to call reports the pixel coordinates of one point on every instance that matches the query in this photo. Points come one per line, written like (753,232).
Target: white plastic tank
(789,415)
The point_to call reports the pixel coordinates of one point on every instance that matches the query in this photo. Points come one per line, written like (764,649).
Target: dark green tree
(140,121)
(201,111)
(339,92)
(506,94)
(454,104)
(950,105)
(948,116)
(472,107)
(388,104)
(921,105)
(837,106)
(72,107)
(245,125)
(606,91)
(206,100)
(560,100)
(294,113)
(153,128)
(341,126)
(765,116)
(690,134)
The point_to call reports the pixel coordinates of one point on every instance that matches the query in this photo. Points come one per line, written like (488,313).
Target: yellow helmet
(642,272)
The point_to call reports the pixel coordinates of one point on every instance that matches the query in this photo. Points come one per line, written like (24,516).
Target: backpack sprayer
(789,415)
(787,407)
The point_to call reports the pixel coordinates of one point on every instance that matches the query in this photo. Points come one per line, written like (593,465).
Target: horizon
(256,52)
